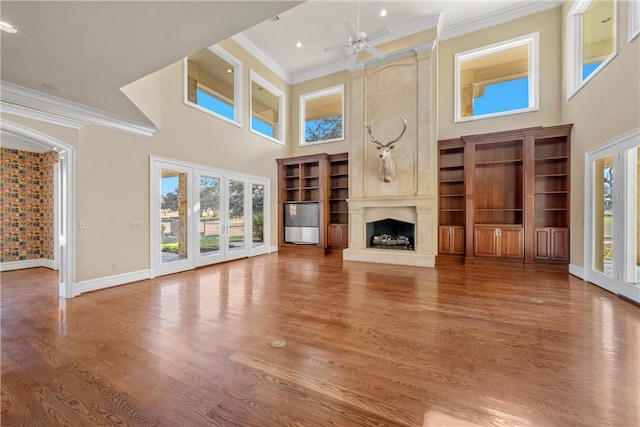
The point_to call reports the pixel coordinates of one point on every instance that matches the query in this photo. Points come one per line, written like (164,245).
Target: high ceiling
(86,51)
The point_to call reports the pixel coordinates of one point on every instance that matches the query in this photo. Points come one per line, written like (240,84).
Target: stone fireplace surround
(402,87)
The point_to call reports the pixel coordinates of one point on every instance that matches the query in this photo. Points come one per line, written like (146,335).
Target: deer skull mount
(387,168)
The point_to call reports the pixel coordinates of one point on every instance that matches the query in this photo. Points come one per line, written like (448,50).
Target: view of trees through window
(323,129)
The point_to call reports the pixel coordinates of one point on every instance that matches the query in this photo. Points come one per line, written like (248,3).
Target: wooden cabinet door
(485,242)
(559,244)
(338,235)
(457,240)
(551,243)
(541,243)
(444,240)
(451,240)
(511,242)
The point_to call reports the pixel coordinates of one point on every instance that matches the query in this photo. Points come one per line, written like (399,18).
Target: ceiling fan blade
(351,29)
(352,60)
(375,52)
(379,33)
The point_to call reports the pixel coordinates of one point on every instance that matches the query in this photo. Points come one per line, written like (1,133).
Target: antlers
(390,143)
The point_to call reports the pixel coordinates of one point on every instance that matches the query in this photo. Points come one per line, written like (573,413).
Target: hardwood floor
(366,344)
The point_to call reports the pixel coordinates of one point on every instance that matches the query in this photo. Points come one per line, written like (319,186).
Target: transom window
(213,83)
(591,41)
(497,80)
(321,116)
(267,109)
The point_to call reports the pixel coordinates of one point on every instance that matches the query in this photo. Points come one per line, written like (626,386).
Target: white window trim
(303,124)
(573,48)
(237,87)
(634,19)
(533,42)
(255,77)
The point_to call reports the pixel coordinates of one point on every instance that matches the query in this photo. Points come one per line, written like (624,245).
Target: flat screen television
(301,223)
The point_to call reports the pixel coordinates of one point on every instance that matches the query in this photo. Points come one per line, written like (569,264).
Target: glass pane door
(603,215)
(172,194)
(236,218)
(209,219)
(612,235)
(257,216)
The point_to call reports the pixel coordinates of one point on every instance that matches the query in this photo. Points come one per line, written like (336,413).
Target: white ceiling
(92,49)
(320,23)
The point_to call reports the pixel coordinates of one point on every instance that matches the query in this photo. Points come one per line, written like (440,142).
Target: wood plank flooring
(366,345)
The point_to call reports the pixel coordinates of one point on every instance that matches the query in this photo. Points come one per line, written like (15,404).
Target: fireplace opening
(390,234)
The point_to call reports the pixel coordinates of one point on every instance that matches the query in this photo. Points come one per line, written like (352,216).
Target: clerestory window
(267,109)
(497,80)
(213,83)
(591,41)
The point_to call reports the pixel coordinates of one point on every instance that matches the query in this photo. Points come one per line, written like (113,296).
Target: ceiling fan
(359,41)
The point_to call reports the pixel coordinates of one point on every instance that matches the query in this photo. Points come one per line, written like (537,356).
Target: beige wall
(112,167)
(548,24)
(607,107)
(294,124)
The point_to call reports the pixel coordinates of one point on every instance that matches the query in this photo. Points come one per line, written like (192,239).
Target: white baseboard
(273,248)
(28,263)
(110,281)
(576,271)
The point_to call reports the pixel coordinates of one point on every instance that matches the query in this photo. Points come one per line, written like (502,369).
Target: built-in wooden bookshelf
(322,179)
(338,207)
(451,207)
(508,198)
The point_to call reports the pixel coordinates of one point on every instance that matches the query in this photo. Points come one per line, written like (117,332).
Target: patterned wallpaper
(26,199)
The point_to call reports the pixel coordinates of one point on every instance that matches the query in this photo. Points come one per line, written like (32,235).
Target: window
(267,109)
(321,116)
(497,80)
(591,41)
(213,82)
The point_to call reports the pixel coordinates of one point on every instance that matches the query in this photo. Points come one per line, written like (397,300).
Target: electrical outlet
(136,223)
(82,225)
(114,265)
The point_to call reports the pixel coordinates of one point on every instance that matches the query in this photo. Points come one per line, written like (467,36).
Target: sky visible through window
(504,96)
(587,69)
(262,127)
(169,185)
(214,104)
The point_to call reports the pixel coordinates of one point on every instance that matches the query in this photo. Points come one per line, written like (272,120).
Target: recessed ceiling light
(383,12)
(299,44)
(8,28)
(229,71)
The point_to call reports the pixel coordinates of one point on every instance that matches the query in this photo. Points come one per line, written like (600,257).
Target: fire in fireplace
(390,234)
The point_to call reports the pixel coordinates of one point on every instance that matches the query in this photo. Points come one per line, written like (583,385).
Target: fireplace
(406,206)
(390,234)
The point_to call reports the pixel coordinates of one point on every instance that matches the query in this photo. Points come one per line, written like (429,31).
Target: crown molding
(40,116)
(502,16)
(32,104)
(261,56)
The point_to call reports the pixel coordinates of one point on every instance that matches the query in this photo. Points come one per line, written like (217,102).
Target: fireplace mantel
(401,88)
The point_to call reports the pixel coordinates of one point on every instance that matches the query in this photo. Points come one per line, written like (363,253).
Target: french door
(612,239)
(204,216)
